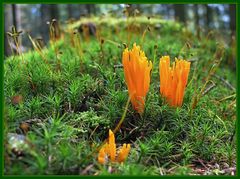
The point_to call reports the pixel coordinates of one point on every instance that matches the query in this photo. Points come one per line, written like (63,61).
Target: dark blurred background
(33,17)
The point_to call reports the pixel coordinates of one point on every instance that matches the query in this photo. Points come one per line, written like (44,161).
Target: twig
(225,82)
(118,66)
(87,169)
(209,88)
(234,132)
(228,97)
(123,116)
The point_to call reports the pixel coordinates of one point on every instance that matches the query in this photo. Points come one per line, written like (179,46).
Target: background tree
(14,14)
(208,15)
(7,24)
(232,13)
(70,10)
(54,14)
(33,17)
(44,17)
(179,12)
(196,15)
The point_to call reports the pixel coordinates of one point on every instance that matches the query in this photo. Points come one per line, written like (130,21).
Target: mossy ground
(57,112)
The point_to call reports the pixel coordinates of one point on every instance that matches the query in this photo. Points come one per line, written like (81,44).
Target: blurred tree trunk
(94,9)
(169,8)
(232,13)
(70,11)
(196,15)
(232,57)
(54,13)
(138,7)
(14,16)
(82,10)
(48,12)
(44,13)
(7,25)
(88,7)
(208,15)
(179,12)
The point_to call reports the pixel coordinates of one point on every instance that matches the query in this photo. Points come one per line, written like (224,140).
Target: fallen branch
(225,82)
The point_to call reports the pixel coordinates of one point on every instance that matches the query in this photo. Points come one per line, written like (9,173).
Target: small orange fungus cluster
(109,151)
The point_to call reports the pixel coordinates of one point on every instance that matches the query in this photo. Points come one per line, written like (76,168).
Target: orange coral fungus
(101,155)
(137,75)
(123,153)
(111,146)
(109,149)
(173,80)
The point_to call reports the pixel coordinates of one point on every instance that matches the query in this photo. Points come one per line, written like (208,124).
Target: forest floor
(61,100)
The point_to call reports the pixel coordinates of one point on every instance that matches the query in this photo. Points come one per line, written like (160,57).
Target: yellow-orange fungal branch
(112,146)
(101,155)
(109,150)
(137,76)
(123,153)
(173,80)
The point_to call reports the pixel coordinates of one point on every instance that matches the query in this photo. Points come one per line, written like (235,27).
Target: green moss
(77,99)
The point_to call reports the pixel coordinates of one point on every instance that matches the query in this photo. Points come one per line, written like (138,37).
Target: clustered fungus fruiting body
(173,80)
(137,68)
(109,151)
(137,75)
